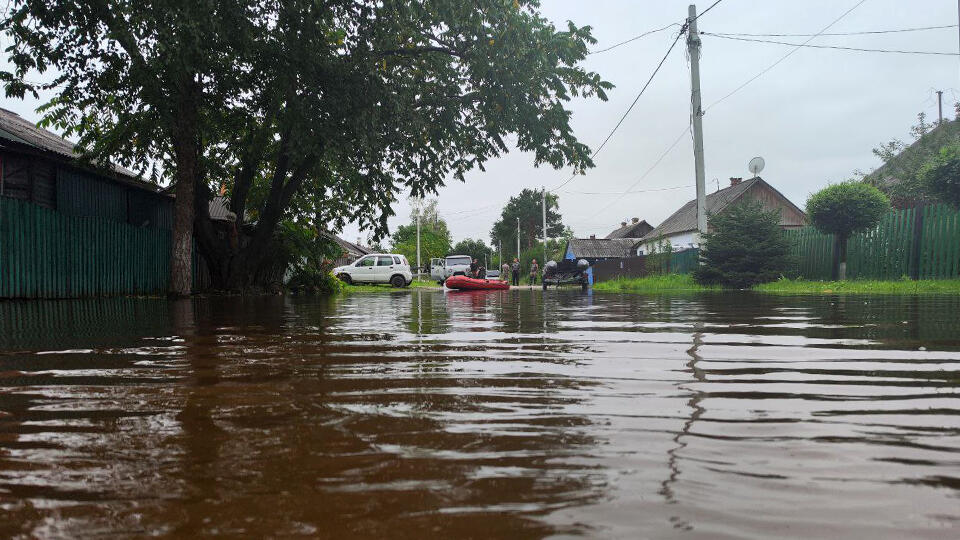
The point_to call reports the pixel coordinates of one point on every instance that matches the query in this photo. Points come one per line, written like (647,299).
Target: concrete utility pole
(518,238)
(693,46)
(939,107)
(544,260)
(418,241)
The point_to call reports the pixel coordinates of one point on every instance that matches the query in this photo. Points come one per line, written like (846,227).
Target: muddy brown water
(424,414)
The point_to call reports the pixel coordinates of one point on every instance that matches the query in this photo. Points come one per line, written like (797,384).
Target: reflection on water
(429,414)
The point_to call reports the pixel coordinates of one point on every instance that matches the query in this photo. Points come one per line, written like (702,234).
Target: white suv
(389,268)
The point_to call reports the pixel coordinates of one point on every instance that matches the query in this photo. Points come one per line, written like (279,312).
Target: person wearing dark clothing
(473,268)
(534,271)
(481,271)
(515,271)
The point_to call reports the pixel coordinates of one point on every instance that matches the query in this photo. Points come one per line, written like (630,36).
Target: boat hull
(464,283)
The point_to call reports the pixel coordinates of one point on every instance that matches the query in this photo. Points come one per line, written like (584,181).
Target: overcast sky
(814,117)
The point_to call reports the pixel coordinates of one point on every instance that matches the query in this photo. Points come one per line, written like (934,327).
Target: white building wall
(679,241)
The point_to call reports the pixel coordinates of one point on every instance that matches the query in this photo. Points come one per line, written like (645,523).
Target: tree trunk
(181,258)
(187,158)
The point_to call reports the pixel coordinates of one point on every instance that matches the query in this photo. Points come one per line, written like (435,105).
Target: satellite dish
(756,165)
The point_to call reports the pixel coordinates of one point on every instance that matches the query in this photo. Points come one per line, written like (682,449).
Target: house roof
(351,248)
(685,219)
(15,129)
(637,229)
(219,207)
(598,248)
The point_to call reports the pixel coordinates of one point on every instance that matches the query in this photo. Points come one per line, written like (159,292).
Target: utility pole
(518,238)
(418,241)
(940,107)
(693,46)
(544,260)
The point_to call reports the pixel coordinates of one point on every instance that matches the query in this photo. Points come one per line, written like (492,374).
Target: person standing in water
(505,271)
(515,271)
(534,270)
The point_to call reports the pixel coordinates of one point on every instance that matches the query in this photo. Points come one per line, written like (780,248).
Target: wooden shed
(68,229)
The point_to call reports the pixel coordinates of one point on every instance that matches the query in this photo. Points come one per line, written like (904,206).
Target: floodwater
(522,414)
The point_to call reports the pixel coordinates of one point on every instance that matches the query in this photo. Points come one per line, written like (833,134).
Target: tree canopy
(746,247)
(434,235)
(474,248)
(304,110)
(940,176)
(528,206)
(847,208)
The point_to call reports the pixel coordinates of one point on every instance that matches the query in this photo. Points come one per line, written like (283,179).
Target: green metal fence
(904,244)
(683,262)
(46,254)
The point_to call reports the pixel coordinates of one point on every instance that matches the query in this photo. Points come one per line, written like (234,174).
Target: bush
(940,176)
(746,247)
(846,208)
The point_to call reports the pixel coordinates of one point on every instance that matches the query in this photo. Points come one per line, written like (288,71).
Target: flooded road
(423,414)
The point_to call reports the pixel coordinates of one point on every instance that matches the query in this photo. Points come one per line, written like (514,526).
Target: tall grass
(652,284)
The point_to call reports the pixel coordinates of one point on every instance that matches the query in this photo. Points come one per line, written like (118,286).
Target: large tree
(528,206)
(303,109)
(474,248)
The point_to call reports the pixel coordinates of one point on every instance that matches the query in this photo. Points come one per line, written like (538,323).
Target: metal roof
(685,219)
(351,248)
(636,229)
(15,129)
(600,248)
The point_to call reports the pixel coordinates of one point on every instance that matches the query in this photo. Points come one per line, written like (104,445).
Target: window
(384,260)
(397,260)
(367,261)
(453,261)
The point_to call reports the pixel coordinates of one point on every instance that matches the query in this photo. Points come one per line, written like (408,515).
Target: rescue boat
(464,283)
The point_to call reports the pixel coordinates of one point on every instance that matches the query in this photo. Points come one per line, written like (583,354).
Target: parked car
(493,274)
(391,268)
(451,265)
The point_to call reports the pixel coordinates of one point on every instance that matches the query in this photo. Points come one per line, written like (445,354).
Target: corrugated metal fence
(46,254)
(904,244)
(681,262)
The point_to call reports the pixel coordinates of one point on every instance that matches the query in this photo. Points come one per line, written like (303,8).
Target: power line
(861,33)
(634,38)
(627,192)
(837,47)
(648,171)
(630,108)
(704,12)
(784,57)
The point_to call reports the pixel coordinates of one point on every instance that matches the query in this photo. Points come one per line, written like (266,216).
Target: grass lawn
(685,283)
(386,287)
(928,286)
(652,284)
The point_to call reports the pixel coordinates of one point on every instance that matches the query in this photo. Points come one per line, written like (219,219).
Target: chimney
(636,220)
(593,237)
(623,223)
(735,181)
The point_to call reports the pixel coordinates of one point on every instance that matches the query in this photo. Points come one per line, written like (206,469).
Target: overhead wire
(859,33)
(630,108)
(627,192)
(837,47)
(784,57)
(634,38)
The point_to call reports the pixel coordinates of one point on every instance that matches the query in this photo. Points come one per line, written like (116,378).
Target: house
(350,251)
(595,249)
(680,229)
(71,229)
(635,229)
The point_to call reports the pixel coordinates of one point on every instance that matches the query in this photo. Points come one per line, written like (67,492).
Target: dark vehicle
(566,272)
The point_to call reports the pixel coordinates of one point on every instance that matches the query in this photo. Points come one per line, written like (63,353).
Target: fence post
(916,249)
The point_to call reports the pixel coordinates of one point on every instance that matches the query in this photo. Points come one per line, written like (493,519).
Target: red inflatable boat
(465,283)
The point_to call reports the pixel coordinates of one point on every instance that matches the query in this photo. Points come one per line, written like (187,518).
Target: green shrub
(746,247)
